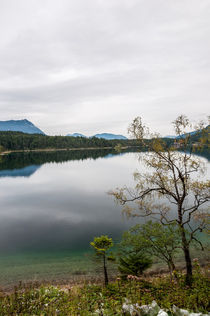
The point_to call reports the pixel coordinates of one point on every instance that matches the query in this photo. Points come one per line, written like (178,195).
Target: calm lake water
(53,205)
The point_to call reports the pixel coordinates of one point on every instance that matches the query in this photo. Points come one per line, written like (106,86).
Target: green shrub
(133,264)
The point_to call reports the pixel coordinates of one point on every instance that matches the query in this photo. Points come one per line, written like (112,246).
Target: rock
(154,310)
(162,313)
(183,312)
(180,312)
(130,308)
(149,310)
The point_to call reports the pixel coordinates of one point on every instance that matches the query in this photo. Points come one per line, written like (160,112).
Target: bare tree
(172,190)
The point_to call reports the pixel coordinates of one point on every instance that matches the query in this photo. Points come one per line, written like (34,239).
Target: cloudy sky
(93,65)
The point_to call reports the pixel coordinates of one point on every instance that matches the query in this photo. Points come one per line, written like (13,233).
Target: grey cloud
(67,55)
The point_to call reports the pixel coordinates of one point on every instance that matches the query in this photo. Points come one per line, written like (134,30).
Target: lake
(53,204)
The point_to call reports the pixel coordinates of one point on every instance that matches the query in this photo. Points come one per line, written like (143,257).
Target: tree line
(21,141)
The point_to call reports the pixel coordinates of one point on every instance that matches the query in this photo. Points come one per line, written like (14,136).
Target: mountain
(187,134)
(76,135)
(169,136)
(103,135)
(183,135)
(109,136)
(24,126)
(194,134)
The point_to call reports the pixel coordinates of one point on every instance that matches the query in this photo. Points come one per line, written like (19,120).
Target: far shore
(58,149)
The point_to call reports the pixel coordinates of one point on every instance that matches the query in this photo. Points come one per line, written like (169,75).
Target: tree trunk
(188,262)
(172,268)
(106,281)
(170,271)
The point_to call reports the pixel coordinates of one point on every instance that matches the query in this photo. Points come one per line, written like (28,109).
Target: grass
(95,299)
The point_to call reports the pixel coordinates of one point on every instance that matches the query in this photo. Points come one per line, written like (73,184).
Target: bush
(133,264)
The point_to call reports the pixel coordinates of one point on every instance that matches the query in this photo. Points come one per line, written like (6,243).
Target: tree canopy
(101,246)
(174,189)
(20,141)
(154,240)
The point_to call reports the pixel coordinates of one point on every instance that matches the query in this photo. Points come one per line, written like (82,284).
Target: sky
(92,66)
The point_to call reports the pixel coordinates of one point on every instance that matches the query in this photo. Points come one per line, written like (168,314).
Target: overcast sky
(93,65)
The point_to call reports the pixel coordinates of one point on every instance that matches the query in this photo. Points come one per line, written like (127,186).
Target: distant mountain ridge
(76,135)
(23,126)
(108,136)
(28,127)
(169,136)
(193,133)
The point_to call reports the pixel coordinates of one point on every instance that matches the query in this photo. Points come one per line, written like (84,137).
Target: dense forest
(11,141)
(21,141)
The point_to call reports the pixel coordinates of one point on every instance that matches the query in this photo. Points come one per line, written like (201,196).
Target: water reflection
(58,201)
(22,172)
(25,164)
(63,203)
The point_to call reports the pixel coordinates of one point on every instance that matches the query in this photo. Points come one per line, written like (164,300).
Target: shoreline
(90,278)
(78,279)
(7,152)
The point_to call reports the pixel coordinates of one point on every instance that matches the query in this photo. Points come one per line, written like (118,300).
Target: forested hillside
(21,141)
